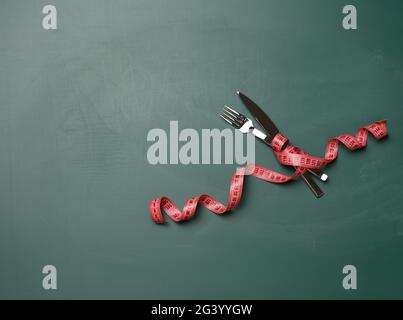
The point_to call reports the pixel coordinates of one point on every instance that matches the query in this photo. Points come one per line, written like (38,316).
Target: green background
(76,105)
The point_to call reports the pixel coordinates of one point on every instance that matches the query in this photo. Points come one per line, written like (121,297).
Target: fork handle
(312,185)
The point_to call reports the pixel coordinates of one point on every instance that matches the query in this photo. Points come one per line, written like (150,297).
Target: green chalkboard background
(76,105)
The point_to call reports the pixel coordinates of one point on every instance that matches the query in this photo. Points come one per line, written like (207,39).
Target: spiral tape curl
(286,154)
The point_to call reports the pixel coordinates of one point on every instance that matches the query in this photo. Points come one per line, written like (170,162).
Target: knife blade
(261,117)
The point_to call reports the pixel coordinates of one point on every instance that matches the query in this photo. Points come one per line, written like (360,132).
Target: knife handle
(316,172)
(312,185)
(319,174)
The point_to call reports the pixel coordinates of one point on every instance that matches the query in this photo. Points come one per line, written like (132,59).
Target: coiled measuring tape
(286,154)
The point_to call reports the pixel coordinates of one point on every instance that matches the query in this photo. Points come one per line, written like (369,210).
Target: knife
(271,129)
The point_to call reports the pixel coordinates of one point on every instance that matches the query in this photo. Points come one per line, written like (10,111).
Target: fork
(245,125)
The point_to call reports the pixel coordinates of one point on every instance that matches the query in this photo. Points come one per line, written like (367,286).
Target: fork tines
(233,117)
